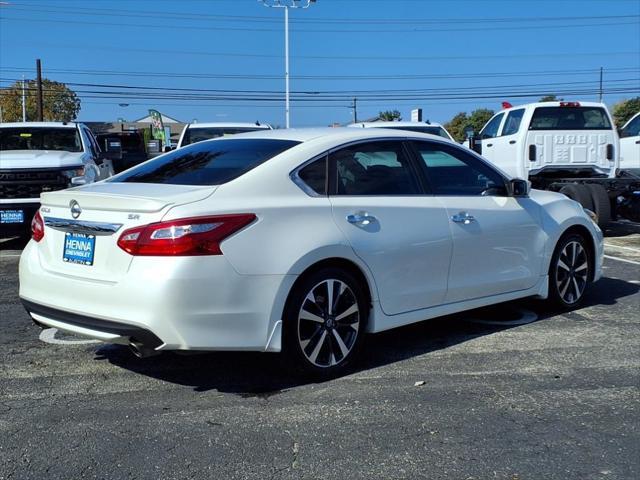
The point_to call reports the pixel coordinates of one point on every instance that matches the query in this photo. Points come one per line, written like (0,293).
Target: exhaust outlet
(141,351)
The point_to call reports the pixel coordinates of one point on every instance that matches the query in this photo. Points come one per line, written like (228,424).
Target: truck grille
(16,184)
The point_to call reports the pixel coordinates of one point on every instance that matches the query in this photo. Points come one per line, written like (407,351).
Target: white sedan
(299,241)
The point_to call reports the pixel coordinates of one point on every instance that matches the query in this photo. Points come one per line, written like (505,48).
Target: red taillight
(183,237)
(37,227)
(569,104)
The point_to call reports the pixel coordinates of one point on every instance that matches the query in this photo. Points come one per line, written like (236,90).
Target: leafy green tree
(390,115)
(479,118)
(550,98)
(624,110)
(60,103)
(456,126)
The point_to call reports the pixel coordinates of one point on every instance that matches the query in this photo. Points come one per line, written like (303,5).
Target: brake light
(37,227)
(183,237)
(569,104)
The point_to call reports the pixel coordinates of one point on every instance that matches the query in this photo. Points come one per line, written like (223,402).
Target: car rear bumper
(179,303)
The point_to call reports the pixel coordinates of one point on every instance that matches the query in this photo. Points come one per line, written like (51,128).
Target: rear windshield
(209,163)
(198,134)
(570,118)
(40,138)
(432,130)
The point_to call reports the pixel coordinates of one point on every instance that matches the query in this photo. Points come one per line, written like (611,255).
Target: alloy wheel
(328,323)
(572,270)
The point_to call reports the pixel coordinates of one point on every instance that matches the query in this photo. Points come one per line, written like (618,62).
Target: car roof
(552,104)
(393,124)
(39,124)
(339,134)
(264,126)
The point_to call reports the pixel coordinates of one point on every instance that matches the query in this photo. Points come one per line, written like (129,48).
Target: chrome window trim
(81,226)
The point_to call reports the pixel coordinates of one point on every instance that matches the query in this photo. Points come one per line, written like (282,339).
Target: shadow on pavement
(14,243)
(263,375)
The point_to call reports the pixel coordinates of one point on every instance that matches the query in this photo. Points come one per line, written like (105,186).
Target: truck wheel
(580,193)
(601,203)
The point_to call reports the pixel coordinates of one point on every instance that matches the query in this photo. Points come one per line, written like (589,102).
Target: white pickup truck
(38,157)
(630,144)
(570,147)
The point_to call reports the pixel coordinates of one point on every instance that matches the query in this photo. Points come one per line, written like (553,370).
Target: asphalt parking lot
(472,396)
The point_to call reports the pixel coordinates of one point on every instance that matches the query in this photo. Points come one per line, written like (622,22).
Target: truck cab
(630,144)
(553,139)
(38,157)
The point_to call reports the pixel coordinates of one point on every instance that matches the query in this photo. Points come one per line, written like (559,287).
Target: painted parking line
(607,245)
(621,260)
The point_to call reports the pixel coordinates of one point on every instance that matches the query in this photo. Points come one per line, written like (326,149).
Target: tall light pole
(24,102)
(286,4)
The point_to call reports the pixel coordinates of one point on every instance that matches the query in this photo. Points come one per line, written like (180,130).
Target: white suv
(197,132)
(427,127)
(38,157)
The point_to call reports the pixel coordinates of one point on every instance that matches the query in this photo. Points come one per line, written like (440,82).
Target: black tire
(569,278)
(580,193)
(601,203)
(310,331)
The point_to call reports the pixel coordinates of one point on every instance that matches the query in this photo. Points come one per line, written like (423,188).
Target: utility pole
(355,110)
(24,102)
(601,94)
(286,4)
(39,102)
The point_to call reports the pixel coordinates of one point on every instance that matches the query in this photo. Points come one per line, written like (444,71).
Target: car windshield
(210,163)
(40,138)
(570,118)
(198,134)
(426,129)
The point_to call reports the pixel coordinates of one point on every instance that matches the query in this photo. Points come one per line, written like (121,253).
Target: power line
(632,22)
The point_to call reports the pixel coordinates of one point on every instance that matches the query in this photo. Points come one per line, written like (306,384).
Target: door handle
(489,144)
(511,142)
(464,218)
(637,142)
(361,218)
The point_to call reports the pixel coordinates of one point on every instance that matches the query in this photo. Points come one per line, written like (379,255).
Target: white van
(578,137)
(197,132)
(630,143)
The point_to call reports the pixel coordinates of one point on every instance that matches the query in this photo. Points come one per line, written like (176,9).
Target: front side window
(375,168)
(632,129)
(512,123)
(452,171)
(570,118)
(490,130)
(211,163)
(199,134)
(40,138)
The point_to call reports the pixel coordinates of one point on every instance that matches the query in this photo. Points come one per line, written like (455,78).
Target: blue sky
(228,55)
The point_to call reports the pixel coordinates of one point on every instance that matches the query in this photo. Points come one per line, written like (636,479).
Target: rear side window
(512,123)
(490,130)
(570,118)
(211,163)
(374,168)
(314,176)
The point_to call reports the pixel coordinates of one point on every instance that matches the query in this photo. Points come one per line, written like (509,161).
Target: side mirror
(519,187)
(168,148)
(78,181)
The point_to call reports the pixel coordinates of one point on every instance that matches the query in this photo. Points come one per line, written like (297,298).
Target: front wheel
(569,272)
(324,322)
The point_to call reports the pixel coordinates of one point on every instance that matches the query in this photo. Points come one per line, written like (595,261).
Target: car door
(507,147)
(630,144)
(498,242)
(392,224)
(105,165)
(488,135)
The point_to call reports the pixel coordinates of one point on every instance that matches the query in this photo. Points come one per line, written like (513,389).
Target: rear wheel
(580,193)
(601,203)
(569,272)
(324,322)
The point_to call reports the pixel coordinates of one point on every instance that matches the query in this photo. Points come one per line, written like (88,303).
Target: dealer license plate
(79,248)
